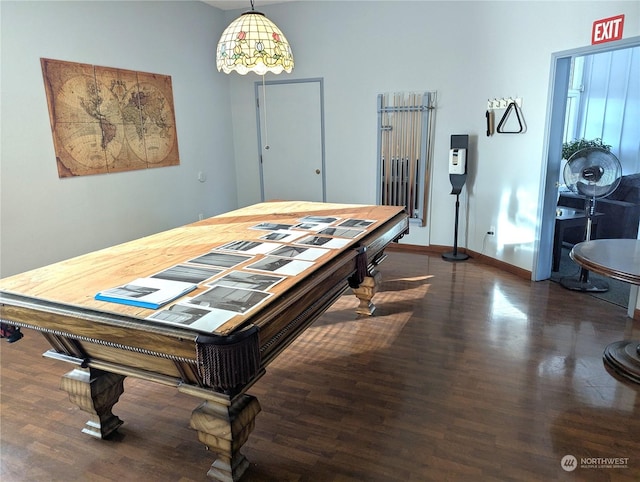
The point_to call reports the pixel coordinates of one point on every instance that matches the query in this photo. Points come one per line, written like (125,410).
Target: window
(405,131)
(573,100)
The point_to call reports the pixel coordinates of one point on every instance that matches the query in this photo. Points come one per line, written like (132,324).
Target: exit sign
(607,29)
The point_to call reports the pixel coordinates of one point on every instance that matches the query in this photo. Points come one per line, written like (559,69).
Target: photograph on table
(307,226)
(342,232)
(299,252)
(324,241)
(221,260)
(249,247)
(193,317)
(250,281)
(272,226)
(285,266)
(188,273)
(357,223)
(319,219)
(226,298)
(284,236)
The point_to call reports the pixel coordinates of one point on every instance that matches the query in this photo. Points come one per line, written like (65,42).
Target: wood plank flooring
(465,373)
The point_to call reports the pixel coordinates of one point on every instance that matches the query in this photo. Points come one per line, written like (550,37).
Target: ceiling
(241,4)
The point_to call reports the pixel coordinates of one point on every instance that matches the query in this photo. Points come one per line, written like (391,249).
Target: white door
(291,140)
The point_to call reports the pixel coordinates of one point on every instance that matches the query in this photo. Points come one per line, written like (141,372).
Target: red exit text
(607,29)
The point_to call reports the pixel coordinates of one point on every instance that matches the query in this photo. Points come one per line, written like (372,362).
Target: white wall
(44,218)
(468,52)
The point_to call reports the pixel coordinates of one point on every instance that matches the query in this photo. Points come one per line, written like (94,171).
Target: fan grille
(593,172)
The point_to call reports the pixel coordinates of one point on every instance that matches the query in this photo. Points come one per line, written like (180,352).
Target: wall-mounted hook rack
(503,102)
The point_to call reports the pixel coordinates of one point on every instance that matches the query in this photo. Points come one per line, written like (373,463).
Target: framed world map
(107,120)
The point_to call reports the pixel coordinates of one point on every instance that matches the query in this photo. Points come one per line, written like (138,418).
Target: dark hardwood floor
(465,373)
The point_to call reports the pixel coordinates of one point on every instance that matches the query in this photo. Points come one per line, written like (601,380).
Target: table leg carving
(95,392)
(365,293)
(224,430)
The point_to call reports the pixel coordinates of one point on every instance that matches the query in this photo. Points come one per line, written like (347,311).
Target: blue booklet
(149,293)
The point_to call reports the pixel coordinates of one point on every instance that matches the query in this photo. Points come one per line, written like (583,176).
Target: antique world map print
(107,120)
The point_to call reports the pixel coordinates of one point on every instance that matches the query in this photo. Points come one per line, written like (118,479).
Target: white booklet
(147,292)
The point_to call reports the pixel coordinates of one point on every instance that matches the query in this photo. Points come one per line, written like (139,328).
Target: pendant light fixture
(253,43)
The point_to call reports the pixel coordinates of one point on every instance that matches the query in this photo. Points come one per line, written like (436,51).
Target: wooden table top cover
(76,281)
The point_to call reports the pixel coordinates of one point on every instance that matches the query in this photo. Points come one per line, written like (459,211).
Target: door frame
(552,151)
(259,85)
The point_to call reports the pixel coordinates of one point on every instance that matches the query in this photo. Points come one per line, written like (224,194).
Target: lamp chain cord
(266,128)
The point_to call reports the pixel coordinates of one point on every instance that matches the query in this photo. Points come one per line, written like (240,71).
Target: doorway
(290,121)
(556,110)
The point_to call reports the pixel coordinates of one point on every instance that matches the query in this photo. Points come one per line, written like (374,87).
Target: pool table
(107,341)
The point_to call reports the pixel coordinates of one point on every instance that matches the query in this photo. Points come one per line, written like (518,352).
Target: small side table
(618,259)
(570,218)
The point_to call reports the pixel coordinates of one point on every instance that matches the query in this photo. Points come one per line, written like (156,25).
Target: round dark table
(618,259)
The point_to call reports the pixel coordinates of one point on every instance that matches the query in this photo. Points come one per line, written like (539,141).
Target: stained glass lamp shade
(253,43)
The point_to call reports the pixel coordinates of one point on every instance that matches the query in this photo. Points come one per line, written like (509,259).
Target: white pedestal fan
(594,173)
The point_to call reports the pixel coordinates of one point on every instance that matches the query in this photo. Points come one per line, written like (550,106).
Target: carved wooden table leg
(224,430)
(365,293)
(95,392)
